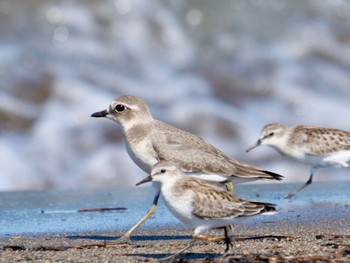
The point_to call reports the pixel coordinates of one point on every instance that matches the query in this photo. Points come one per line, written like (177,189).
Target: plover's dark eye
(119,108)
(163,171)
(271,134)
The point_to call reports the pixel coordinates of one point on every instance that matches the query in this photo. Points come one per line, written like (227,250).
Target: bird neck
(134,124)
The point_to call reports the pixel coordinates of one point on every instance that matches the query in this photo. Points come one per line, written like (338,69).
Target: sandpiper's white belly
(179,205)
(339,159)
(182,207)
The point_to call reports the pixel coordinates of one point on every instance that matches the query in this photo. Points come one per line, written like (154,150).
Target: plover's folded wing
(195,155)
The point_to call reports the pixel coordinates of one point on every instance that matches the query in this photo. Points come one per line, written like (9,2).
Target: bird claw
(122,240)
(289,196)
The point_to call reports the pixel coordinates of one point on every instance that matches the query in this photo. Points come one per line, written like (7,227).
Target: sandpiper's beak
(258,143)
(100,114)
(146,180)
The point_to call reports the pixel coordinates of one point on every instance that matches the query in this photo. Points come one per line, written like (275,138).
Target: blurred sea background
(219,69)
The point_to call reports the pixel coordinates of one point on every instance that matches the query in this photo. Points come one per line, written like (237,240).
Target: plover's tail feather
(274,176)
(251,173)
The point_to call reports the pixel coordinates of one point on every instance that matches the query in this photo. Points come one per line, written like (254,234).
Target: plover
(149,140)
(315,146)
(199,204)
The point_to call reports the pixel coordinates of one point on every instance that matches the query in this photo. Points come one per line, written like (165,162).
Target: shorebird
(201,205)
(315,146)
(149,140)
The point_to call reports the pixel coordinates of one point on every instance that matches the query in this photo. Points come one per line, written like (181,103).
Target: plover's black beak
(99,114)
(146,180)
(258,143)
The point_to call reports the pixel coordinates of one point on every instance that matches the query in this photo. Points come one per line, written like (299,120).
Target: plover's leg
(173,256)
(227,241)
(229,187)
(293,193)
(210,238)
(215,238)
(126,237)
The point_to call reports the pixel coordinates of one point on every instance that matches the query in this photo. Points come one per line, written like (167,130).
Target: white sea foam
(223,77)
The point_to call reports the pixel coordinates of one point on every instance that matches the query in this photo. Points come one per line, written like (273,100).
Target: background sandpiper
(315,146)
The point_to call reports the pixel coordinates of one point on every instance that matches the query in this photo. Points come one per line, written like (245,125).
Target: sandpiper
(315,146)
(149,140)
(201,205)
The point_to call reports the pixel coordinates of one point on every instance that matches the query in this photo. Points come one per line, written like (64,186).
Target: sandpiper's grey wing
(317,141)
(210,202)
(196,156)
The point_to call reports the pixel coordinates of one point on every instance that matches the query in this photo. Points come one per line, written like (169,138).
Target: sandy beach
(314,242)
(311,228)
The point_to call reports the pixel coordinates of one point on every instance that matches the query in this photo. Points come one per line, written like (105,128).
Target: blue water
(220,70)
(50,212)
(42,212)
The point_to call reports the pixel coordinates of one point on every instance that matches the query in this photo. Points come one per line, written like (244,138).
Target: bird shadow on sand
(180,258)
(176,237)
(134,238)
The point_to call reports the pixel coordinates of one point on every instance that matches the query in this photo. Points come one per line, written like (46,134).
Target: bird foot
(120,241)
(289,196)
(210,238)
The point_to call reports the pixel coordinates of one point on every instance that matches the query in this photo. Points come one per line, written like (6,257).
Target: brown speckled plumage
(316,146)
(319,141)
(211,202)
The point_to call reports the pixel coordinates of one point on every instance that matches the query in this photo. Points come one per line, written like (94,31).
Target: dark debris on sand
(151,246)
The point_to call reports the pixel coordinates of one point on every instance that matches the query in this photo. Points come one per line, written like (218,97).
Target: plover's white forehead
(132,106)
(131,100)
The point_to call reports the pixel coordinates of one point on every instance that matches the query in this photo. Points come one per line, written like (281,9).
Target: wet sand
(318,242)
(307,229)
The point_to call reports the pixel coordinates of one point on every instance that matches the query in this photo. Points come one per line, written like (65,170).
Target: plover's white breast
(142,154)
